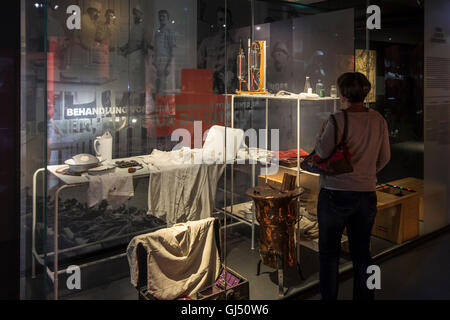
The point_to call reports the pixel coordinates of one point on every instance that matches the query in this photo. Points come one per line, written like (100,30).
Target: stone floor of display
(425,266)
(111,280)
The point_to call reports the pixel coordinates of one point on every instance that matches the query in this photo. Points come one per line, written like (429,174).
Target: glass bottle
(333,91)
(320,91)
(307,85)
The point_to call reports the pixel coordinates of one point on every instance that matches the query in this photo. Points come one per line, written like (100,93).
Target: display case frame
(228,210)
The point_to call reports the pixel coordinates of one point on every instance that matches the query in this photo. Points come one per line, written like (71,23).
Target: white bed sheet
(179,189)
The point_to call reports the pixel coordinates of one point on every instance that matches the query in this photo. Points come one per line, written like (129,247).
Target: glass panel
(33,154)
(300,41)
(123,81)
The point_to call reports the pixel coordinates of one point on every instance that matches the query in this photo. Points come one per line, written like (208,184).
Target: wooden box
(397,219)
(308,181)
(415,184)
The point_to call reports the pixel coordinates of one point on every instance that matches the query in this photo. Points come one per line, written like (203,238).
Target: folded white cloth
(181,260)
(113,187)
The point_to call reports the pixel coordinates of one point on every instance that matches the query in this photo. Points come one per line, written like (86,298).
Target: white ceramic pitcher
(103,147)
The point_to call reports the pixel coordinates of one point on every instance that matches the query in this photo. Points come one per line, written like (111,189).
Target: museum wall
(437,115)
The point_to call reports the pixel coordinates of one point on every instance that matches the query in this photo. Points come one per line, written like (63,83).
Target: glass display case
(140,117)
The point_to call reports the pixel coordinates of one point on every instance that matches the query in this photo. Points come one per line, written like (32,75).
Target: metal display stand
(229,209)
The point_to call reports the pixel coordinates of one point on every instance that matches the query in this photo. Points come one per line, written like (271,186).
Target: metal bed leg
(33,232)
(280,270)
(299,269)
(55,243)
(280,275)
(258,268)
(55,247)
(253,208)
(267,135)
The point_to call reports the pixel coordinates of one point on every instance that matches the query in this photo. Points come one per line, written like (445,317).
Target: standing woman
(349,200)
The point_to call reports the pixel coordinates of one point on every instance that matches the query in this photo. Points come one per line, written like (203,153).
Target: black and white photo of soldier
(107,30)
(89,24)
(135,51)
(164,43)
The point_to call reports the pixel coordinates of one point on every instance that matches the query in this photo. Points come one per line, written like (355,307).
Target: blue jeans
(355,211)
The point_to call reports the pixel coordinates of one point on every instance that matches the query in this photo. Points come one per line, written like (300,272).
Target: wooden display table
(416,185)
(397,218)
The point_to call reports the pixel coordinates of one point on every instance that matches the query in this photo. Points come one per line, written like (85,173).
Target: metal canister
(276,212)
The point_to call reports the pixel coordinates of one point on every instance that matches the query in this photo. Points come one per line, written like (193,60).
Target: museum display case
(168,126)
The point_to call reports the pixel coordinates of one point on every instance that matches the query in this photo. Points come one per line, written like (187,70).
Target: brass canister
(276,212)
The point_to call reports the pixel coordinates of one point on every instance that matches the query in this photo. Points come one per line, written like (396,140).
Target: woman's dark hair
(354,86)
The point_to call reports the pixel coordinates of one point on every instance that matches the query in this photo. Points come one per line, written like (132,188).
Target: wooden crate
(397,218)
(308,181)
(416,185)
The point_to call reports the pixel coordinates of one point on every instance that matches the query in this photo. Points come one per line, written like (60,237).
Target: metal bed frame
(39,257)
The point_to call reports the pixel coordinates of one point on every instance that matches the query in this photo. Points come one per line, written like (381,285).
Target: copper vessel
(276,212)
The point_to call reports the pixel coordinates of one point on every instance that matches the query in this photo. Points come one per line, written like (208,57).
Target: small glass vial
(241,65)
(333,91)
(307,85)
(320,90)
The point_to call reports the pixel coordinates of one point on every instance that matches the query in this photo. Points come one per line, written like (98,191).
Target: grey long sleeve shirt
(368,143)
